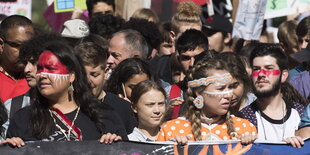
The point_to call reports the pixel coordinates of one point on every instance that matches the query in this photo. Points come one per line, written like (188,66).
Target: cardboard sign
(16,7)
(69,5)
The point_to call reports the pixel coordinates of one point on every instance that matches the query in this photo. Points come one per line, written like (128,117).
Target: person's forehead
(265,61)
(19,33)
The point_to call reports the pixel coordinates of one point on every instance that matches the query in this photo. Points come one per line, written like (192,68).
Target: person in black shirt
(63,108)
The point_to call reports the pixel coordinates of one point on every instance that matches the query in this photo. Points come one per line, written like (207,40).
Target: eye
(234,85)
(184,57)
(94,74)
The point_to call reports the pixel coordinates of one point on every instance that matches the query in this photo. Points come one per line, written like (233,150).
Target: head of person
(270,69)
(240,80)
(145,13)
(167,46)
(126,44)
(59,69)
(190,45)
(289,40)
(303,32)
(105,25)
(186,17)
(149,103)
(14,31)
(218,29)
(149,31)
(100,6)
(94,60)
(126,75)
(209,94)
(245,54)
(30,52)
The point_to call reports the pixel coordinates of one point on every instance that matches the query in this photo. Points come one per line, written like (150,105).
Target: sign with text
(13,7)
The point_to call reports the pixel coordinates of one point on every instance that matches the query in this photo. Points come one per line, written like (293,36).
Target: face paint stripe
(266,72)
(210,80)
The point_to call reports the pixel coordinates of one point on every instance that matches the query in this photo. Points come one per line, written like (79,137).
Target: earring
(71,90)
(198,102)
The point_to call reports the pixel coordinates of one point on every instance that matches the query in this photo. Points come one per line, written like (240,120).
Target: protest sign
(16,7)
(69,5)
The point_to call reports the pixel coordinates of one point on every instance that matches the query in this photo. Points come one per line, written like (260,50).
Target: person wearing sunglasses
(15,30)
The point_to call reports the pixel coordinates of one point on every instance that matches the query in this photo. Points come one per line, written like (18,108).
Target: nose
(156,109)
(191,63)
(27,68)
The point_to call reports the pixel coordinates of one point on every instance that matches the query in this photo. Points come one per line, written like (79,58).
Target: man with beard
(275,117)
(14,31)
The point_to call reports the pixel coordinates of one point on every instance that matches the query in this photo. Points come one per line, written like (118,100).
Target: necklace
(70,127)
(210,120)
(283,123)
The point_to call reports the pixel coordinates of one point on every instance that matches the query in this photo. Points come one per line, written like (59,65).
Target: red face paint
(266,72)
(49,63)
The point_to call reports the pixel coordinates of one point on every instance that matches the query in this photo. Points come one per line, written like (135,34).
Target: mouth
(44,84)
(157,118)
(226,105)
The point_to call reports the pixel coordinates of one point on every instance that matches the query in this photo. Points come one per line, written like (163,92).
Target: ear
(284,75)
(72,77)
(172,35)
(227,38)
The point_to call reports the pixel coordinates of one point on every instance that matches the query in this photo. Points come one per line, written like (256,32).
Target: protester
(126,44)
(105,25)
(100,6)
(64,103)
(240,84)
(145,13)
(208,116)
(94,60)
(303,32)
(126,75)
(218,29)
(14,31)
(29,55)
(167,46)
(149,104)
(274,112)
(186,17)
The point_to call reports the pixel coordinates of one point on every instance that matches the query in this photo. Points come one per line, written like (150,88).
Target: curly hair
(105,24)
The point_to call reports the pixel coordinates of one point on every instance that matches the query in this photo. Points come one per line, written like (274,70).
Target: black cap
(302,55)
(218,23)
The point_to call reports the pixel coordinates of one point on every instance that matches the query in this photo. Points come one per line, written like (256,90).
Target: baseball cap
(218,23)
(75,28)
(302,55)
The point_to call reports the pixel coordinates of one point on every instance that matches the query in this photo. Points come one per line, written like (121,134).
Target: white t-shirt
(276,130)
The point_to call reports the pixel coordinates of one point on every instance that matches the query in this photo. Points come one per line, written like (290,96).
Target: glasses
(13,43)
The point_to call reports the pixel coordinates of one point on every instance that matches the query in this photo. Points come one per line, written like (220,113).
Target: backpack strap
(16,104)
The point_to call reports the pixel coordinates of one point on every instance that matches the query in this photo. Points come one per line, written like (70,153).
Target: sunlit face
(266,75)
(15,37)
(187,58)
(216,42)
(102,7)
(96,76)
(133,81)
(150,109)
(30,72)
(53,77)
(217,96)
(166,48)
(238,90)
(118,50)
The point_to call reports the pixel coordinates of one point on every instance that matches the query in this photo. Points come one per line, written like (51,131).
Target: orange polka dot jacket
(216,131)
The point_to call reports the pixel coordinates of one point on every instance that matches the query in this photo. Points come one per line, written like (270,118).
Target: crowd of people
(144,80)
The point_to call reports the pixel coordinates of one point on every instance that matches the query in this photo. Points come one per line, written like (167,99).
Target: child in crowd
(208,116)
(149,103)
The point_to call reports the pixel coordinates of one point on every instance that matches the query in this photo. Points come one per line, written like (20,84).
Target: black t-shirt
(20,126)
(123,109)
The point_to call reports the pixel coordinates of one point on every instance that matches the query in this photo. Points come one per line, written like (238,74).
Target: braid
(194,116)
(230,125)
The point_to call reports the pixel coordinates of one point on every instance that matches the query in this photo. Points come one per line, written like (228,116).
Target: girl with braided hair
(208,116)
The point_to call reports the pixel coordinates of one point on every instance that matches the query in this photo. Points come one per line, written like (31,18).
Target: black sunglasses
(13,44)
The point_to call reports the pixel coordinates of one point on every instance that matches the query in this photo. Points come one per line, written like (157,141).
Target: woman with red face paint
(64,108)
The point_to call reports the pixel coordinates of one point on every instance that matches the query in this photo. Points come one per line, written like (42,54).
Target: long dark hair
(124,71)
(44,127)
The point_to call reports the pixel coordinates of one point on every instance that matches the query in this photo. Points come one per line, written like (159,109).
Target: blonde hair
(145,13)
(187,13)
(193,114)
